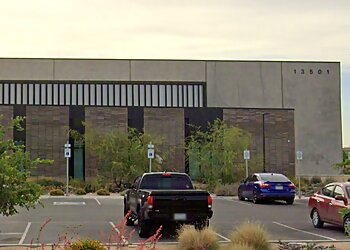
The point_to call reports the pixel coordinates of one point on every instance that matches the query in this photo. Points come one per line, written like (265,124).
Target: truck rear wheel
(144,227)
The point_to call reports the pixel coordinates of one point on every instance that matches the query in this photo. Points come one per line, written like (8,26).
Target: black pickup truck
(161,198)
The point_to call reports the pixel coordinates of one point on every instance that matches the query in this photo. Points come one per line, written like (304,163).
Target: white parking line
(98,202)
(226,239)
(298,230)
(10,233)
(125,242)
(24,234)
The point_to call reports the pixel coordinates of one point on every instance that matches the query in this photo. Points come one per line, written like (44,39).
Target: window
(328,190)
(104,94)
(338,191)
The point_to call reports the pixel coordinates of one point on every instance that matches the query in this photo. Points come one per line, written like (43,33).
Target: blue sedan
(267,186)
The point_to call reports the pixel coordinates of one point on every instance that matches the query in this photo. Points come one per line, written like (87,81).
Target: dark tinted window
(274,177)
(347,188)
(177,182)
(327,191)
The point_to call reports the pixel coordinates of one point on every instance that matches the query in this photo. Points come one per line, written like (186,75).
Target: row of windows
(103,94)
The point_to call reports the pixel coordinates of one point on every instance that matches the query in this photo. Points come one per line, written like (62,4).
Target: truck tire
(144,227)
(129,221)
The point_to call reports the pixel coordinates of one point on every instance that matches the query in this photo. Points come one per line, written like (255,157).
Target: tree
(121,156)
(15,166)
(218,153)
(344,166)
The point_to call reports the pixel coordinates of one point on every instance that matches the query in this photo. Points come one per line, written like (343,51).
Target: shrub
(315,180)
(112,187)
(190,238)
(251,234)
(56,192)
(91,186)
(86,245)
(102,191)
(226,189)
(80,191)
(76,183)
(199,185)
(329,180)
(47,181)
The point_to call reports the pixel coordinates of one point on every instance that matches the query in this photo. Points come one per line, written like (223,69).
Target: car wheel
(346,225)
(290,201)
(316,220)
(144,227)
(256,200)
(240,197)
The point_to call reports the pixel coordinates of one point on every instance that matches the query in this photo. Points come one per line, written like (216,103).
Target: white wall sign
(299,155)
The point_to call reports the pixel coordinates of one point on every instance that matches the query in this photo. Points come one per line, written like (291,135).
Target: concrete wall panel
(26,69)
(168,71)
(244,84)
(169,124)
(117,70)
(6,115)
(313,90)
(46,133)
(104,120)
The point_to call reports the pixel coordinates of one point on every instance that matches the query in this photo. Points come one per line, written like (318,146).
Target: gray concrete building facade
(286,106)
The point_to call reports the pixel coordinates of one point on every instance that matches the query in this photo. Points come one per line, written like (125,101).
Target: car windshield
(274,177)
(167,181)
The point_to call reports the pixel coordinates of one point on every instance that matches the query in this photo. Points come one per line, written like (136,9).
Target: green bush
(80,191)
(102,191)
(226,190)
(76,183)
(315,180)
(86,245)
(91,186)
(329,180)
(56,192)
(46,182)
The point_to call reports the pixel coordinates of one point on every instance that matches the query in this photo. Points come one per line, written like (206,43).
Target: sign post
(348,155)
(299,158)
(246,158)
(150,155)
(67,155)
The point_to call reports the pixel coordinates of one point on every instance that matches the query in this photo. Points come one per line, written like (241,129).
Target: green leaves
(121,156)
(15,166)
(216,156)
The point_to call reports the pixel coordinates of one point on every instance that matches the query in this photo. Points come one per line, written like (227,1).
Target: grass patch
(192,239)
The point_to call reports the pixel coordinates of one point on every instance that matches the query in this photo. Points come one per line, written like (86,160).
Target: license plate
(279,187)
(179,216)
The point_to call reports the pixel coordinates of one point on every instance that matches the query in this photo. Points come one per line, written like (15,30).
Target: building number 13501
(311,71)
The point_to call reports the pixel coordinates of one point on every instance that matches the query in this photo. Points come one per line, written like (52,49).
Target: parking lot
(95,217)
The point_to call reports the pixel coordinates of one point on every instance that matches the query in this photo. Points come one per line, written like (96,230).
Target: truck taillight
(150,201)
(210,201)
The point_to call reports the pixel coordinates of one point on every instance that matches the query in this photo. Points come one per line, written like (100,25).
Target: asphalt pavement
(97,217)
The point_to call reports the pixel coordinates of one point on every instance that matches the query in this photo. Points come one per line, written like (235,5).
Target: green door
(78,161)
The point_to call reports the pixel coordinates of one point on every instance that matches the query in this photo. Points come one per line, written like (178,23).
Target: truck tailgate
(180,200)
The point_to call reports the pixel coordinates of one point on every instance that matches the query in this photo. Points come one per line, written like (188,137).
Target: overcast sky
(188,29)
